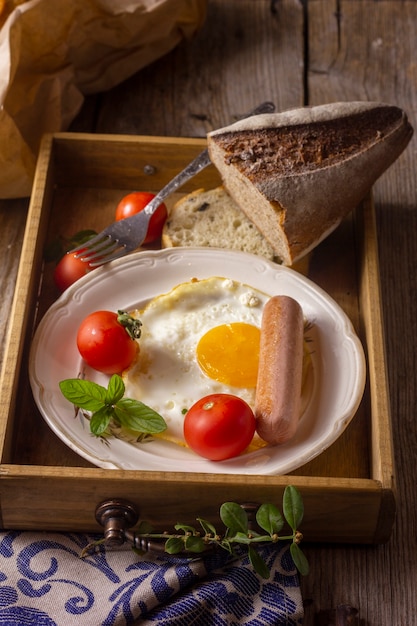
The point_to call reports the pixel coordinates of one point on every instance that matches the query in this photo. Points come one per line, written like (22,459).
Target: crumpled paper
(54,52)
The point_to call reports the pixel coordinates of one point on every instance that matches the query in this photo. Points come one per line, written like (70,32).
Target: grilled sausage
(278,390)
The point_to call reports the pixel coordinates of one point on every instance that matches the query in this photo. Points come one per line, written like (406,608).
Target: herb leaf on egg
(109,406)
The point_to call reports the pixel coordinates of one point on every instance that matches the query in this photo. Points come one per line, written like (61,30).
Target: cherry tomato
(219,426)
(105,343)
(134,203)
(68,270)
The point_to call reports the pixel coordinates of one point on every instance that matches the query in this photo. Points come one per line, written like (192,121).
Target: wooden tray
(348,490)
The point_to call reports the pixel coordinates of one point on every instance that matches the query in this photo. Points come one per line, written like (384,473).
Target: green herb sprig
(110,406)
(238,531)
(191,540)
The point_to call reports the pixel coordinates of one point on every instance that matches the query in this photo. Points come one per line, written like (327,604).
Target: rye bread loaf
(212,218)
(298,173)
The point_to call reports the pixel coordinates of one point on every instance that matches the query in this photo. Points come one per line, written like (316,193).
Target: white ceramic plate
(335,390)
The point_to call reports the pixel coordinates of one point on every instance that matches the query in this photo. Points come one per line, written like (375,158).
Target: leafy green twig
(238,531)
(108,406)
(190,540)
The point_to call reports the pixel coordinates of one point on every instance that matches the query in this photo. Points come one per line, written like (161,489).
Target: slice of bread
(297,174)
(211,218)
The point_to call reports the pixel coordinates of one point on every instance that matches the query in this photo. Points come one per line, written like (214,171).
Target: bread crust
(297,174)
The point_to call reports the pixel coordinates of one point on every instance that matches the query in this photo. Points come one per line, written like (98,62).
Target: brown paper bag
(54,52)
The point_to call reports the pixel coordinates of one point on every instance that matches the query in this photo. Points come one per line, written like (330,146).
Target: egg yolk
(229,353)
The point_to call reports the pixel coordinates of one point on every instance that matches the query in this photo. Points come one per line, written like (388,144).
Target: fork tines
(99,250)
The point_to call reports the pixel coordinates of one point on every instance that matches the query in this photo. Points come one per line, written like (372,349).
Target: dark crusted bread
(297,174)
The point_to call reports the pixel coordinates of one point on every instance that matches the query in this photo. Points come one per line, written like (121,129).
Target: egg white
(166,375)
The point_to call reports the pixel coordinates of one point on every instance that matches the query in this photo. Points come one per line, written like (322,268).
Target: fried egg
(202,337)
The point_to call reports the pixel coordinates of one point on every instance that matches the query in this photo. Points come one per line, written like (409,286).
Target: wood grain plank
(38,501)
(224,71)
(367,50)
(12,225)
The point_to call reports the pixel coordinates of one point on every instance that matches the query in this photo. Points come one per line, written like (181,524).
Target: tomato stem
(130,324)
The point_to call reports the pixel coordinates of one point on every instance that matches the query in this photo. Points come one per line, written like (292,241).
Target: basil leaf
(100,420)
(84,393)
(115,390)
(82,236)
(138,417)
(56,249)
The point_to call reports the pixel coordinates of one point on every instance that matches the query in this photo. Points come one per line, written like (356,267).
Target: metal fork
(126,235)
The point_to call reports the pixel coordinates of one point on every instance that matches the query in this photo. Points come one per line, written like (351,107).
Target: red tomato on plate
(134,203)
(219,426)
(105,344)
(68,270)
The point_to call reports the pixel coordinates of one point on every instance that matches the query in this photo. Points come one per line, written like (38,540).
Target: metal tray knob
(116,516)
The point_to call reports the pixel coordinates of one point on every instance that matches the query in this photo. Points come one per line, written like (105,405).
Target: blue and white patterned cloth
(44,582)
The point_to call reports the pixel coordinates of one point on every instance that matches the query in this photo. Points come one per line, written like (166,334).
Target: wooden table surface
(295,53)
